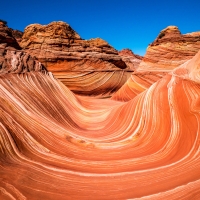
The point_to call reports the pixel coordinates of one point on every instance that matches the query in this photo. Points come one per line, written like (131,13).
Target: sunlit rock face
(56,145)
(87,67)
(170,49)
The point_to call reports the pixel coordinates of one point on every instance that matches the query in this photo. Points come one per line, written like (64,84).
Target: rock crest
(170,49)
(58,41)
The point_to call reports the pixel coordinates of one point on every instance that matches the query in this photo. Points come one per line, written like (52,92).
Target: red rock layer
(54,145)
(88,67)
(132,60)
(170,49)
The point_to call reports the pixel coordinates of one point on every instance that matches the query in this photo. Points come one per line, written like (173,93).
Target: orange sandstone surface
(137,83)
(55,145)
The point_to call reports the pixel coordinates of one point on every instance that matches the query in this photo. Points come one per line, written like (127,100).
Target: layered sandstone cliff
(90,67)
(170,49)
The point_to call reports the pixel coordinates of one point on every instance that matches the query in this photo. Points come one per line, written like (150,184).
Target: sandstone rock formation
(17,35)
(170,49)
(7,36)
(16,61)
(132,60)
(13,60)
(137,83)
(90,67)
(55,145)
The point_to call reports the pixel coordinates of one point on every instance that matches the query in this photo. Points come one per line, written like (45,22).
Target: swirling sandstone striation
(90,67)
(55,145)
(137,83)
(170,49)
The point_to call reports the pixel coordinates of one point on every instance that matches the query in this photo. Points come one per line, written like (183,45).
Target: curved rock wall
(137,83)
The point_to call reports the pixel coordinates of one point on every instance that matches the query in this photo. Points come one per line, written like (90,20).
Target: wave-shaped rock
(90,67)
(137,83)
(55,145)
(170,49)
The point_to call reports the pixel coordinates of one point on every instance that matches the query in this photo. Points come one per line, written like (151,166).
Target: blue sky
(122,23)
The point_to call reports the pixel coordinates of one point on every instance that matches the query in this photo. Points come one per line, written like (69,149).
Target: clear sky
(122,23)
